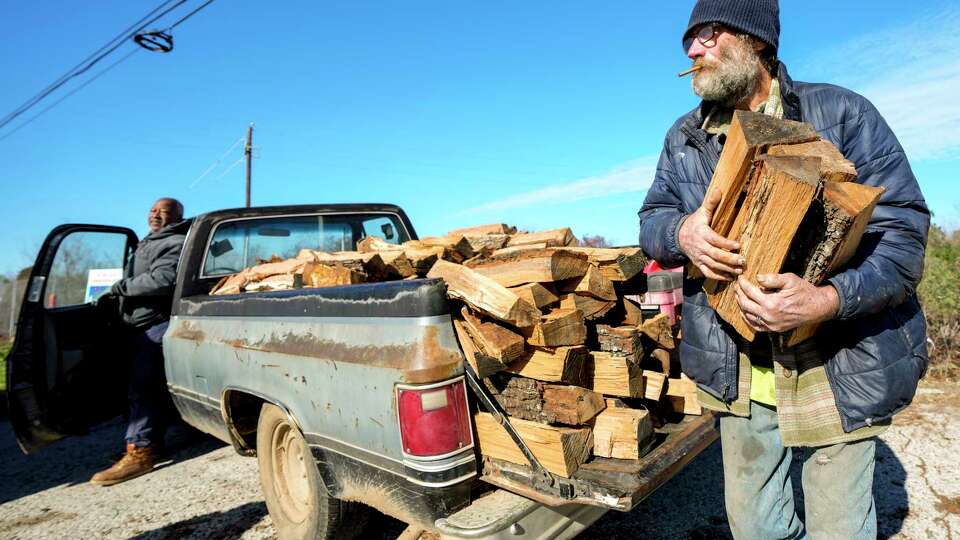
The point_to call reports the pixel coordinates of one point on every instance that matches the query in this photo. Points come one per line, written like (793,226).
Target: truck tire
(298,502)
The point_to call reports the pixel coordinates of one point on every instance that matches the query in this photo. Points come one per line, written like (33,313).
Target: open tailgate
(612,483)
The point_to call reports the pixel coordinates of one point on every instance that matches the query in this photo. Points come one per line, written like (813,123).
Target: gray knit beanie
(759,18)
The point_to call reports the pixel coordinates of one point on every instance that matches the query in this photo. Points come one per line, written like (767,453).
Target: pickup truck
(351,397)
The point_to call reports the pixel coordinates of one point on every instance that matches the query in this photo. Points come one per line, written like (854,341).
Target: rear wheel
(296,498)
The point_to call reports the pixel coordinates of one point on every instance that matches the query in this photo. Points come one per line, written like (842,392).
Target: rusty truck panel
(331,359)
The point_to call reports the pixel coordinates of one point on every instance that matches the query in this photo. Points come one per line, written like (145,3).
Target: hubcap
(290,467)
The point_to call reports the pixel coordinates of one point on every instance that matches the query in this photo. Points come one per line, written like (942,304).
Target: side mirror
(387,229)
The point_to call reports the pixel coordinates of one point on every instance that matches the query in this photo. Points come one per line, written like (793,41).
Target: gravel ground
(205,490)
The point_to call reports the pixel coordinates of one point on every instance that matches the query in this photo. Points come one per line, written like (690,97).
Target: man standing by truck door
(831,395)
(145,295)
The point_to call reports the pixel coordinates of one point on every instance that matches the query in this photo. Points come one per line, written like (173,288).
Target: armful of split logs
(789,198)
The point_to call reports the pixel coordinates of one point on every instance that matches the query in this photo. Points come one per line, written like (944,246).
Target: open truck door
(66,370)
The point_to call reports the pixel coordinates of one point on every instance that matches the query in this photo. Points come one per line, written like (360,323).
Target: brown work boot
(137,461)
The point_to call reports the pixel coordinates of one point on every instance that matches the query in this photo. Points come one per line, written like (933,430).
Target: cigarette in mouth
(689,71)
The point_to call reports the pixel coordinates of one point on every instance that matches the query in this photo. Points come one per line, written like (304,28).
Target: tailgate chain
(542,478)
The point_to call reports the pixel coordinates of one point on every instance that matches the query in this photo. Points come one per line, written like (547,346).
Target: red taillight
(434,420)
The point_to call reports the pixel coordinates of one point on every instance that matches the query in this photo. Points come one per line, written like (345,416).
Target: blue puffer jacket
(876,347)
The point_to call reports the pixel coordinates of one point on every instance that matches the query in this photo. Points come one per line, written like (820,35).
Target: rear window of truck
(238,244)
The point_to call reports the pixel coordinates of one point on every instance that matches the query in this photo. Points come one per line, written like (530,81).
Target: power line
(73,71)
(164,8)
(188,15)
(230,168)
(216,163)
(68,94)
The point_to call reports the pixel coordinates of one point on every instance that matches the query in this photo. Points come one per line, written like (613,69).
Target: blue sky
(540,114)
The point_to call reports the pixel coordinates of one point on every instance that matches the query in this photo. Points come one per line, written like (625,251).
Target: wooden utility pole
(248,152)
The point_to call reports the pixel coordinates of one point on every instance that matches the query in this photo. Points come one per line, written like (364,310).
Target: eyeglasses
(706,35)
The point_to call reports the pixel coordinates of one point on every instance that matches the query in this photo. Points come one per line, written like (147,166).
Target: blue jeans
(837,483)
(147,396)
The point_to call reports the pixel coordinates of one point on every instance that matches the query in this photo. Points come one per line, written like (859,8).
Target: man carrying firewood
(143,298)
(831,395)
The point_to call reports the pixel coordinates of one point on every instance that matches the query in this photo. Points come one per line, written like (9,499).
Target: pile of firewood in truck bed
(556,331)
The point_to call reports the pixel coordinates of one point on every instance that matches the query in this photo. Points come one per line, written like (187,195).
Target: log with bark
(561,450)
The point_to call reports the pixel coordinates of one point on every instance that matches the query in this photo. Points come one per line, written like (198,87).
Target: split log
(621,433)
(350,259)
(632,314)
(829,236)
(372,244)
(568,365)
(485,295)
(457,244)
(616,264)
(553,238)
(481,363)
(653,384)
(534,266)
(593,284)
(324,275)
(685,405)
(560,327)
(308,255)
(261,271)
(535,294)
(423,260)
(518,249)
(560,450)
(776,203)
(590,307)
(616,375)
(750,134)
(279,282)
(488,242)
(482,230)
(492,339)
(833,166)
(658,329)
(395,263)
(232,284)
(256,278)
(682,395)
(623,340)
(546,403)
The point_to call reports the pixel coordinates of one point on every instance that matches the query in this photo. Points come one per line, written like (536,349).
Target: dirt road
(207,491)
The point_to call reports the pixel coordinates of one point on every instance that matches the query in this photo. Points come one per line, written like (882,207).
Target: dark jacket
(875,349)
(146,291)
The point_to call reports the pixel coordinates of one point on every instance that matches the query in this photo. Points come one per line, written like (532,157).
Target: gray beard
(734,78)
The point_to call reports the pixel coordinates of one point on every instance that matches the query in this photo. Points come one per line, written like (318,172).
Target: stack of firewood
(571,358)
(552,328)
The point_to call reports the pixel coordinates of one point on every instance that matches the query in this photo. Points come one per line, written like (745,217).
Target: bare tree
(596,241)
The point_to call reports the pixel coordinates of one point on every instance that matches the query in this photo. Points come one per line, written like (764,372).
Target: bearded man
(830,396)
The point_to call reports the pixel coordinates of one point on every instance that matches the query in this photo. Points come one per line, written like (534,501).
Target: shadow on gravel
(228,525)
(890,492)
(75,459)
